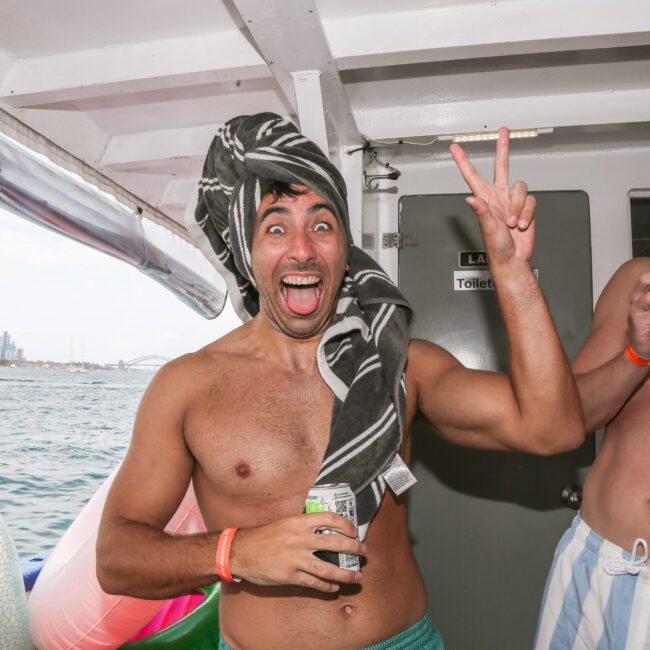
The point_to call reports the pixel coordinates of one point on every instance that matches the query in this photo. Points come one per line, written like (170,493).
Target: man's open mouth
(302,293)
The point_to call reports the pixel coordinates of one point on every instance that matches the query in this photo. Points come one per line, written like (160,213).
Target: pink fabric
(173,610)
(67,607)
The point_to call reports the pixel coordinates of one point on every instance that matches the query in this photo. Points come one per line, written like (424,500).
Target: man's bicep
(468,407)
(158,466)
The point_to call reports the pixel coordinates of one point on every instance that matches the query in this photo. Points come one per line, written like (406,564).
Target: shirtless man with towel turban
(320,385)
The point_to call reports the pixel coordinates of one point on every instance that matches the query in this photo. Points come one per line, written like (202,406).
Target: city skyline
(9,351)
(54,290)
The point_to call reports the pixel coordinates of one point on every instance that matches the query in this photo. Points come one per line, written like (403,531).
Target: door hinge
(398,240)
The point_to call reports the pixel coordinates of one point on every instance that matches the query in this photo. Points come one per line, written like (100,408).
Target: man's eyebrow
(273,209)
(278,209)
(321,206)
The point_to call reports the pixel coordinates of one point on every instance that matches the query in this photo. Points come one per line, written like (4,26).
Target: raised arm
(535,407)
(606,377)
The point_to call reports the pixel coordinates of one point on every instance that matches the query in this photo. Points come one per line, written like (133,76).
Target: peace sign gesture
(505,214)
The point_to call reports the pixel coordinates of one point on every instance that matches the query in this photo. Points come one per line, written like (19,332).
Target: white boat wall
(128,95)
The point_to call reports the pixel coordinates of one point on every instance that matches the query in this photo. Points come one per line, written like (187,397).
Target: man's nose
(302,247)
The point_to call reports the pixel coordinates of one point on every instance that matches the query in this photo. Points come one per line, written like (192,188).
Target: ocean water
(61,435)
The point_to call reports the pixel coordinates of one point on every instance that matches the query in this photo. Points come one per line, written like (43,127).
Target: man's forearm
(606,389)
(137,560)
(539,370)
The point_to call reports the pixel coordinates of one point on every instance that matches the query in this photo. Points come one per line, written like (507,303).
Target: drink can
(338,498)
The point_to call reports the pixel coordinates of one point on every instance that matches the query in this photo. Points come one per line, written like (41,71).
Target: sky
(57,294)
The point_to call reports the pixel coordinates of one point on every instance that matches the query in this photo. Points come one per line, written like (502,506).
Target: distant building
(8,350)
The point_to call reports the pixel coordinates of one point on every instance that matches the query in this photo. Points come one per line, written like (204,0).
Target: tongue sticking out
(302,300)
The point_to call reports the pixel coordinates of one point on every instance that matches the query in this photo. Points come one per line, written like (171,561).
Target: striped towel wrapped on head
(362,353)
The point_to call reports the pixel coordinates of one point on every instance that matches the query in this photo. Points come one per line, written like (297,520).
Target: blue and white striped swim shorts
(597,595)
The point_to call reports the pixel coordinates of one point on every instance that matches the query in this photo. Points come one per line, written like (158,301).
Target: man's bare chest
(623,456)
(260,435)
(634,418)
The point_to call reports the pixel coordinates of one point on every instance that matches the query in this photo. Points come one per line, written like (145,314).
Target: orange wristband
(223,555)
(635,358)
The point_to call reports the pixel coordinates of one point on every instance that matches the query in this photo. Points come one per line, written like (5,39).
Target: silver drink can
(338,498)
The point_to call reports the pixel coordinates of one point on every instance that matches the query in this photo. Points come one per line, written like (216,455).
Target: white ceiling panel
(500,77)
(30,28)
(136,89)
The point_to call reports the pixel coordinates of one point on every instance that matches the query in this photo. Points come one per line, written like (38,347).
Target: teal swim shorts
(420,636)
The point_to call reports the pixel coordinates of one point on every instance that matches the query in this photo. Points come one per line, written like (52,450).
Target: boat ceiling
(136,89)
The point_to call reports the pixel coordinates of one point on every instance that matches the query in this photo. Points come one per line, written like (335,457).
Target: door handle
(572,496)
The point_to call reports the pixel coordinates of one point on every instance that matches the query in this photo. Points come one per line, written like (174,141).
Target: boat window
(640,218)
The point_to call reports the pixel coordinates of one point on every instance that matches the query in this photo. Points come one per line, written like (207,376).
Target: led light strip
(480,136)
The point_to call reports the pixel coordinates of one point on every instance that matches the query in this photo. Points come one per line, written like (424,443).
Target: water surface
(61,434)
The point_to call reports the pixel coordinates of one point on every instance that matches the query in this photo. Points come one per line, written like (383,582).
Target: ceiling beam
(477,30)
(556,110)
(290,37)
(154,65)
(309,102)
(144,149)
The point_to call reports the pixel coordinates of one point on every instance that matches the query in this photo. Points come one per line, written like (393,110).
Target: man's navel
(347,610)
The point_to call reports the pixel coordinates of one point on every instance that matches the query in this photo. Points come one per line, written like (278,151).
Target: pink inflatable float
(68,609)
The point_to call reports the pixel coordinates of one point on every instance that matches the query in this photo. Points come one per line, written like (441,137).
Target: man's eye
(322,226)
(276,230)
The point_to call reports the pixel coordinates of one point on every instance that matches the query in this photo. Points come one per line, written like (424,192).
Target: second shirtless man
(320,386)
(598,590)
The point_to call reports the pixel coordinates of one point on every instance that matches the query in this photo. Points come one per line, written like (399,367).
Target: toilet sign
(476,280)
(472,259)
(473,281)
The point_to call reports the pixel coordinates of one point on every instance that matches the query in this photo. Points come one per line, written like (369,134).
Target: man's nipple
(243,470)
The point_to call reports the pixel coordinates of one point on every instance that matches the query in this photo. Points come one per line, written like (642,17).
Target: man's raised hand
(505,213)
(639,317)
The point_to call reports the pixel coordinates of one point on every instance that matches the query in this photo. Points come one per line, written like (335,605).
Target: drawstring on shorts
(631,567)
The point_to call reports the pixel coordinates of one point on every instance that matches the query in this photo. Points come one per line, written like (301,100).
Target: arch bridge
(143,361)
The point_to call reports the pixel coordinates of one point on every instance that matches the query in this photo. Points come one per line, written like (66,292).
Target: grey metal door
(485,524)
